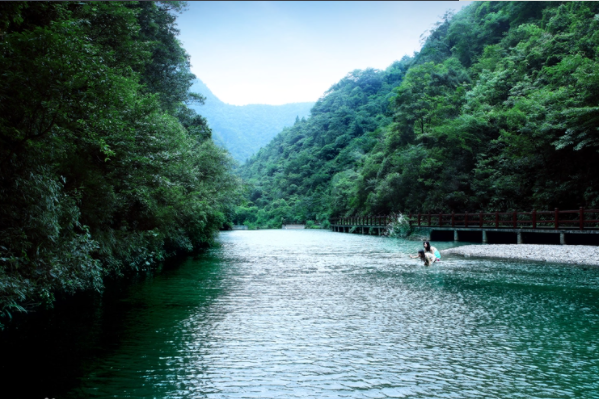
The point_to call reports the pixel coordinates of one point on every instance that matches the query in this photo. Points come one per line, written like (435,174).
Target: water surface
(316,314)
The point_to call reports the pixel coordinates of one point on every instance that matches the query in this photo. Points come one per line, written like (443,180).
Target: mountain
(243,129)
(498,111)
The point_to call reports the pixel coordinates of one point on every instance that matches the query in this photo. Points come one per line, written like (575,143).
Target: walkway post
(581,218)
(520,238)
(496,219)
(534,218)
(466,218)
(480,219)
(515,220)
(485,240)
(562,238)
(455,235)
(556,222)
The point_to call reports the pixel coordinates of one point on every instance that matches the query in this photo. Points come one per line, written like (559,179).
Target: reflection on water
(315,314)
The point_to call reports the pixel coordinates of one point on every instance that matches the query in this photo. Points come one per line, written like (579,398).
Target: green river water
(316,314)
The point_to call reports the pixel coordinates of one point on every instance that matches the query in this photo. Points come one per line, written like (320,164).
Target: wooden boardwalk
(557,226)
(376,225)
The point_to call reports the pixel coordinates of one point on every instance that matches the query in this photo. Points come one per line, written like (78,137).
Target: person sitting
(430,249)
(426,257)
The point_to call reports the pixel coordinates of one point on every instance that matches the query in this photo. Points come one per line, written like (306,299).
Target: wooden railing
(556,219)
(371,220)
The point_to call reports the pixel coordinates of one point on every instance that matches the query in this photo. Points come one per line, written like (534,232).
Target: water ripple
(314,314)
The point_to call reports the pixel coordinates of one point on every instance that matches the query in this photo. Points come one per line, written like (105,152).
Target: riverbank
(572,254)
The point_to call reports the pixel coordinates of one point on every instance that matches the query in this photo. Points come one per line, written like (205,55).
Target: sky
(283,52)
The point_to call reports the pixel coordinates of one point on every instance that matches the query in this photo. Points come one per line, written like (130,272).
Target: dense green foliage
(104,169)
(291,177)
(499,111)
(244,129)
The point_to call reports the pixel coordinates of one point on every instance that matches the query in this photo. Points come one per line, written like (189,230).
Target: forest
(107,169)
(498,111)
(104,167)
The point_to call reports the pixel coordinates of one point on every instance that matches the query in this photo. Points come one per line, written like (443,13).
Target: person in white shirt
(426,257)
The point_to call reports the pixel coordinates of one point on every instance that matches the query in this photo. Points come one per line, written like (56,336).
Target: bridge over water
(579,226)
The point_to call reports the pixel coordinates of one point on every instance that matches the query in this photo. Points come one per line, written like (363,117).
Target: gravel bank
(574,254)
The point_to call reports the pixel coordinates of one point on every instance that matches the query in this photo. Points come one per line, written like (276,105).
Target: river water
(316,314)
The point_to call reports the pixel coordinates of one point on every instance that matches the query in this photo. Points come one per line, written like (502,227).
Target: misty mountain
(244,129)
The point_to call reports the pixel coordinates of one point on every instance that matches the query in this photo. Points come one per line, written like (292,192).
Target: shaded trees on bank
(104,169)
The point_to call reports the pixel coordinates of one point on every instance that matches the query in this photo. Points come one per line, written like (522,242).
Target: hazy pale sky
(284,52)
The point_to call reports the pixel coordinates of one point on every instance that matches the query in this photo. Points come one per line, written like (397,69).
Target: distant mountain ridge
(244,129)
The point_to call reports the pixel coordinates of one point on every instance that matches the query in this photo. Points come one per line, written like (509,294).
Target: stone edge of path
(584,255)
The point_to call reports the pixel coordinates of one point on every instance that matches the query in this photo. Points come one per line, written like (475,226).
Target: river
(316,314)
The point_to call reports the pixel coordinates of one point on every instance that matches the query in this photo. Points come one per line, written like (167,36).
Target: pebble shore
(573,254)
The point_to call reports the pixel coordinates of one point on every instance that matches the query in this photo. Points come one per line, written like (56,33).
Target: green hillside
(242,130)
(498,111)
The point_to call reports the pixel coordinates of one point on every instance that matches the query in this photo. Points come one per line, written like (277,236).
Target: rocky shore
(573,254)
